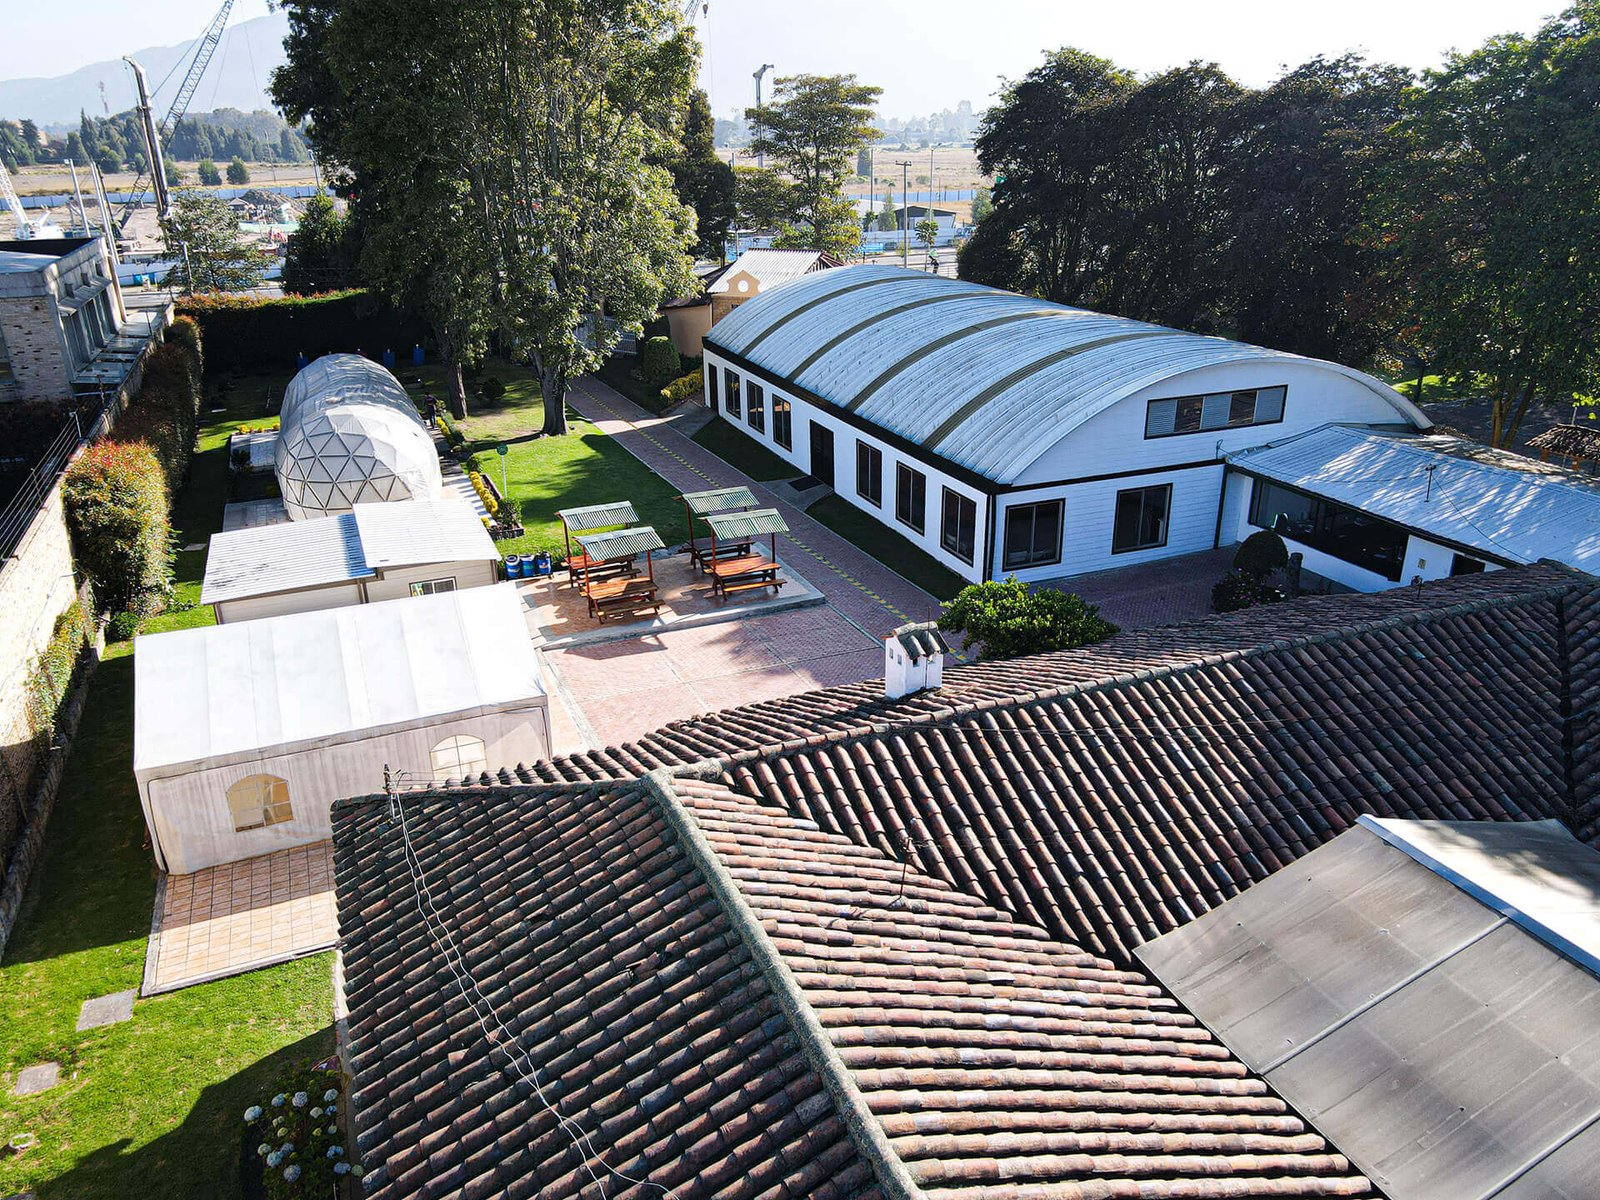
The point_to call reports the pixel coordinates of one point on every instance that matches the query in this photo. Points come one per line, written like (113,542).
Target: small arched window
(459,757)
(257,801)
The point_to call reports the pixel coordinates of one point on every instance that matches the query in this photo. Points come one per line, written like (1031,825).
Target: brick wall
(33,343)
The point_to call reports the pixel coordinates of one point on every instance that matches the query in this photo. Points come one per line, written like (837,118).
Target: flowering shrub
(453,436)
(302,1149)
(484,493)
(680,389)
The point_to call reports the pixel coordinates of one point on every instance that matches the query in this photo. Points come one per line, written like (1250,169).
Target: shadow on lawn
(95,882)
(175,1163)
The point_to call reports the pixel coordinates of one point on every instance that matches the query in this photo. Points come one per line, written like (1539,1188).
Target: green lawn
(150,1107)
(735,449)
(888,547)
(545,474)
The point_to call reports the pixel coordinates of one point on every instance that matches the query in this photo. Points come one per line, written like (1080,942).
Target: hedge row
(247,334)
(115,497)
(681,389)
(52,676)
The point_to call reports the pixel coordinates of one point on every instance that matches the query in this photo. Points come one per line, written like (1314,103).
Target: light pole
(761,158)
(905,211)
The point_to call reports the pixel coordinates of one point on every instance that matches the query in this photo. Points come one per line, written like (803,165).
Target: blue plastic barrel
(513,566)
(527,571)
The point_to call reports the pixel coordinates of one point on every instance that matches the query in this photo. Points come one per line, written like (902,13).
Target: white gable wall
(1114,440)
(192,826)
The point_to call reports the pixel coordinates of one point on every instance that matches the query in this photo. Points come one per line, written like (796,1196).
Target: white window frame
(433,587)
(260,795)
(448,759)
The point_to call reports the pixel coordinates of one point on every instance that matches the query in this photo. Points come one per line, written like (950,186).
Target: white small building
(1005,435)
(245,734)
(1371,511)
(913,659)
(373,552)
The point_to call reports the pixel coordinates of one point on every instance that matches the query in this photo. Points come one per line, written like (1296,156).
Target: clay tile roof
(721,1000)
(1047,815)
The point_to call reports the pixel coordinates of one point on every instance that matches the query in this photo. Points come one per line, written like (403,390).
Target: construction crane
(204,49)
(27,230)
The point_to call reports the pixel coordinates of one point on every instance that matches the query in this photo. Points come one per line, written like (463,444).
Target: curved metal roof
(987,379)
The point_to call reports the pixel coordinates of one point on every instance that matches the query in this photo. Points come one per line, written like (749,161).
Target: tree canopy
(703,181)
(211,254)
(502,162)
(812,130)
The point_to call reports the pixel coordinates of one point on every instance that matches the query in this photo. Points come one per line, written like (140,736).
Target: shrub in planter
(682,388)
(1234,591)
(660,363)
(301,1147)
(115,497)
(1260,554)
(1006,619)
(52,676)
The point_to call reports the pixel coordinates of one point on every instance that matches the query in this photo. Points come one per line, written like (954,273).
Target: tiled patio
(1158,593)
(234,918)
(628,687)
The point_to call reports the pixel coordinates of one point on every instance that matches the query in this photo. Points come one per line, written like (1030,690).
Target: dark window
(1344,533)
(756,408)
(910,497)
(1219,410)
(1465,564)
(958,524)
(1033,535)
(782,423)
(733,394)
(1141,518)
(711,389)
(869,473)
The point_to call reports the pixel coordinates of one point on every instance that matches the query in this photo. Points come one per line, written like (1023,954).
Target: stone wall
(36,586)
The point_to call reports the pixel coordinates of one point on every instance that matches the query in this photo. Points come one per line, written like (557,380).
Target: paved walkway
(234,918)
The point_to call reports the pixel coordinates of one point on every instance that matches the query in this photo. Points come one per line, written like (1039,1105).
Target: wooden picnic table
(621,595)
(580,564)
(743,573)
(702,556)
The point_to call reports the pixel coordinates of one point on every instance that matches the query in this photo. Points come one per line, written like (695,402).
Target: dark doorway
(822,453)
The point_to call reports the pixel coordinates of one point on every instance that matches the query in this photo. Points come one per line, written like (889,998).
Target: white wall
(1424,559)
(1114,440)
(251,608)
(845,436)
(395,582)
(192,826)
(1088,515)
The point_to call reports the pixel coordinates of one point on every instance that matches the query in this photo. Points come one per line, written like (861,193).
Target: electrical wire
(581,1139)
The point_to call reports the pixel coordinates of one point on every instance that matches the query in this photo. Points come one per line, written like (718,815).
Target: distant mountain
(237,78)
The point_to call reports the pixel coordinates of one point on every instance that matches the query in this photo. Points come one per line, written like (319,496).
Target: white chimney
(913,660)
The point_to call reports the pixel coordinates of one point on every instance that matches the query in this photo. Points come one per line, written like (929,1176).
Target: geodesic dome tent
(334,458)
(342,379)
(350,435)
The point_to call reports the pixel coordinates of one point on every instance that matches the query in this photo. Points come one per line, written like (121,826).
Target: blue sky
(926,54)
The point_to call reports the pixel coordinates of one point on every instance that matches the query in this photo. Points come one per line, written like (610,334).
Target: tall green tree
(238,173)
(211,254)
(1490,216)
(763,198)
(1057,141)
(703,181)
(321,252)
(812,129)
(1307,167)
(206,171)
(502,159)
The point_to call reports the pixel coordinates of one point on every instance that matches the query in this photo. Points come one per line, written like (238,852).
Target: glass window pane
(910,497)
(1188,420)
(1214,411)
(757,408)
(1269,404)
(733,394)
(1159,417)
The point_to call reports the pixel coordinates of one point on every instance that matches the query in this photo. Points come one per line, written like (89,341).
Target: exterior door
(822,453)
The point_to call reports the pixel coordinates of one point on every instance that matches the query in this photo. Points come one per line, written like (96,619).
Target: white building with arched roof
(1007,435)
